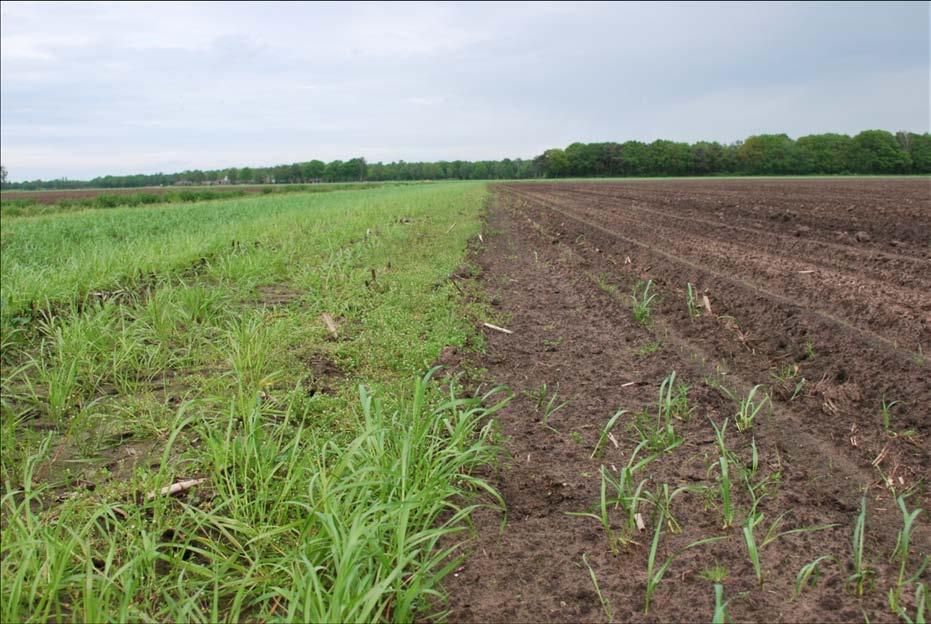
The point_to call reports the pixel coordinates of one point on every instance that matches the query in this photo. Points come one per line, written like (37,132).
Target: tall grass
(316,505)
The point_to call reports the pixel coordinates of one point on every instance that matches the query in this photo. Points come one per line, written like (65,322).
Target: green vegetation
(641,301)
(32,206)
(869,152)
(750,407)
(861,570)
(184,344)
(659,433)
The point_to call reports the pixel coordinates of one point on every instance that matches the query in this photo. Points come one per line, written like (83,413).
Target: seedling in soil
(605,433)
(641,302)
(647,349)
(605,603)
(627,496)
(547,403)
(720,606)
(662,500)
(920,593)
(659,433)
(605,285)
(724,480)
(861,571)
(901,553)
(772,534)
(655,574)
(809,350)
(809,574)
(716,573)
(602,515)
(751,407)
(887,414)
(691,301)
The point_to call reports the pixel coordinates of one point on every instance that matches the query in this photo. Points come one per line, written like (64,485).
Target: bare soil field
(820,290)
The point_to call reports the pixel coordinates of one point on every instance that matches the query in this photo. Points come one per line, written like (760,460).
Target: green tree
(825,153)
(877,151)
(919,149)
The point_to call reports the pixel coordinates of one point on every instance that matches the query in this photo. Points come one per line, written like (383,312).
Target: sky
(90,89)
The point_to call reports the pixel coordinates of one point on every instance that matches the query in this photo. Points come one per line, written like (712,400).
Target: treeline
(869,152)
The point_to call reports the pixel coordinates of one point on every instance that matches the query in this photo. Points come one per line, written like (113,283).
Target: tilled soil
(826,281)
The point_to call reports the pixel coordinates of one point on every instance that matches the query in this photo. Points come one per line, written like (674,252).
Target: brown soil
(791,284)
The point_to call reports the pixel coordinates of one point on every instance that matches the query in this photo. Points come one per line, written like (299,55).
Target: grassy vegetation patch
(261,355)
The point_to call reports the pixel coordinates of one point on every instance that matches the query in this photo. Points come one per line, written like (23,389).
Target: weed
(576,437)
(717,573)
(648,348)
(605,285)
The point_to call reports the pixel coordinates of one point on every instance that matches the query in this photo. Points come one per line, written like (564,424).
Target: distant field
(52,197)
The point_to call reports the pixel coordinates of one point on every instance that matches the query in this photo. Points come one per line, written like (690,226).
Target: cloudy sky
(88,89)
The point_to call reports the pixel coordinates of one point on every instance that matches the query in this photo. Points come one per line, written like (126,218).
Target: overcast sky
(89,89)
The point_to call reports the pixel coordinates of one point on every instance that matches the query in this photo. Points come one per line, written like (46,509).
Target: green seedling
(861,571)
(602,516)
(716,573)
(720,606)
(647,349)
(605,603)
(662,500)
(655,573)
(887,414)
(605,285)
(750,407)
(772,534)
(691,301)
(605,433)
(901,554)
(724,479)
(547,402)
(641,302)
(659,432)
(809,574)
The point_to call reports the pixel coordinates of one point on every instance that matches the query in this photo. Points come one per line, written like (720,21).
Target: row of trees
(870,152)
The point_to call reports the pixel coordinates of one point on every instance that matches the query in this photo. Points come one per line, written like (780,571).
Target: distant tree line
(869,152)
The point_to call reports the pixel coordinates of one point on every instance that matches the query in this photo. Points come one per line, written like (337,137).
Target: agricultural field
(660,400)
(56,196)
(721,403)
(267,357)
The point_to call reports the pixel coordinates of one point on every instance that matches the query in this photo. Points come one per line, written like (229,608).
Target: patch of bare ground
(830,325)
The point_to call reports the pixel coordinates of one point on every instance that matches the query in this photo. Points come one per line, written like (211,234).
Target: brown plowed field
(817,280)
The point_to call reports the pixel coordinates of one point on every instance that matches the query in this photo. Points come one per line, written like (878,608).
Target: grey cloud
(167,86)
